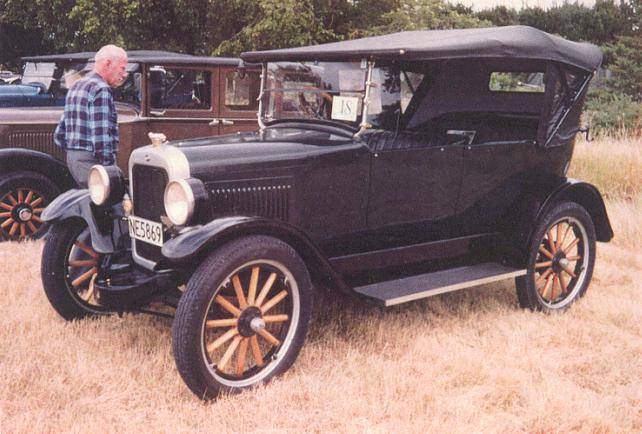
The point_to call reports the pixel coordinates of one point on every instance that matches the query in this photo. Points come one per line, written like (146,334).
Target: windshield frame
(365,98)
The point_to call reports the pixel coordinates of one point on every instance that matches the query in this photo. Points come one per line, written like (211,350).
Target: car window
(242,90)
(39,73)
(181,89)
(531,82)
(410,82)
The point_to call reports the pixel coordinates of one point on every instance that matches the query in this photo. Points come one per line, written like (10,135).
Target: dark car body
(438,166)
(181,95)
(26,95)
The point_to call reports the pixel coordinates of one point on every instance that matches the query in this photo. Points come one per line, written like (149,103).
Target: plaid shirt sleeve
(59,135)
(103,126)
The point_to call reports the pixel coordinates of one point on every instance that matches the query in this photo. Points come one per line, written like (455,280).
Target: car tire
(23,196)
(215,327)
(69,265)
(561,258)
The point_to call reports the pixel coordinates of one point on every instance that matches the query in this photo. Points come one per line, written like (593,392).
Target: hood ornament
(157,138)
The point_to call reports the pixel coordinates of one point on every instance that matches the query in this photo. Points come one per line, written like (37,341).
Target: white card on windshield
(345,108)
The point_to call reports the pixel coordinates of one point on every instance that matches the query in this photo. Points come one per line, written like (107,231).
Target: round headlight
(179,202)
(98,184)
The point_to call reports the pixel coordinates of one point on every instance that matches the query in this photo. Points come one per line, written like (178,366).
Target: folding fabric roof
(513,42)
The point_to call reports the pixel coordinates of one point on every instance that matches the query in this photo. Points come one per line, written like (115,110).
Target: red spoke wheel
(69,268)
(23,198)
(243,317)
(561,259)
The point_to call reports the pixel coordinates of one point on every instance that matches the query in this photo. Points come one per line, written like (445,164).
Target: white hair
(110,52)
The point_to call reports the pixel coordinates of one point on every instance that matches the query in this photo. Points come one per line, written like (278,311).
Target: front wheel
(243,317)
(69,267)
(560,261)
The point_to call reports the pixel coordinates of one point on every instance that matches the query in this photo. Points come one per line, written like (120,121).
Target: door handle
(227,122)
(214,122)
(157,113)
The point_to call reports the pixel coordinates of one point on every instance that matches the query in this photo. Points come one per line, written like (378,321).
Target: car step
(398,291)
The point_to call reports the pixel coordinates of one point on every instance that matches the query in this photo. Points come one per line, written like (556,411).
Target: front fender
(100,220)
(190,246)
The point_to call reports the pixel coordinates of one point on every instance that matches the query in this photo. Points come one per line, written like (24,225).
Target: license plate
(146,230)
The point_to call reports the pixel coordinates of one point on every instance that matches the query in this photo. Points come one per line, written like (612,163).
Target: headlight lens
(106,185)
(98,184)
(179,202)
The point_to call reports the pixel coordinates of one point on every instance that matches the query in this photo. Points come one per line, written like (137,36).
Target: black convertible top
(513,42)
(140,56)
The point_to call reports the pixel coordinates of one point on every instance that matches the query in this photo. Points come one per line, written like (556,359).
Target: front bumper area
(130,287)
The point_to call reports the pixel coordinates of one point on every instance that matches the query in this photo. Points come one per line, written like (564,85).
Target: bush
(610,112)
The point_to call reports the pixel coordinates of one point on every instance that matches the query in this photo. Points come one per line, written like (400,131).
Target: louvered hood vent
(37,140)
(270,197)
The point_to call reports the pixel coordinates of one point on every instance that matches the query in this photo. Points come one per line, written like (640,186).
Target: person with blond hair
(88,128)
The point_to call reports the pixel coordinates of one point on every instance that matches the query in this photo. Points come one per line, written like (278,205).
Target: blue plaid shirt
(89,122)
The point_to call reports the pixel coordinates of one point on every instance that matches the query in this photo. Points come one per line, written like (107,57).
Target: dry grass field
(471,361)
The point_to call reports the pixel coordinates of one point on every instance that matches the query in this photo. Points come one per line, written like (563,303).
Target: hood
(18,90)
(261,151)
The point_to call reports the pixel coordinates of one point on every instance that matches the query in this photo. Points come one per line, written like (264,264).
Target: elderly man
(88,129)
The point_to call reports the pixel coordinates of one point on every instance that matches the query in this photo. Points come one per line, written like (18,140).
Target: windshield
(57,78)
(39,73)
(331,91)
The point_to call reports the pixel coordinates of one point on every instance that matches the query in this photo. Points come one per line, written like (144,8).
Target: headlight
(179,202)
(106,184)
(186,201)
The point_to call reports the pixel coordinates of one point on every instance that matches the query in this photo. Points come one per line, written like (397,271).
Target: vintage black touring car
(391,168)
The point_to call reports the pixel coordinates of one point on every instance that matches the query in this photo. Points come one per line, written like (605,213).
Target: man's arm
(100,121)
(59,135)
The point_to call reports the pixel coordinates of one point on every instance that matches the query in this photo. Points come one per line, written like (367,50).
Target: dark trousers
(79,163)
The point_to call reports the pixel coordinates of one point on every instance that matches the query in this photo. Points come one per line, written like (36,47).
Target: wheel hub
(24,214)
(560,261)
(250,321)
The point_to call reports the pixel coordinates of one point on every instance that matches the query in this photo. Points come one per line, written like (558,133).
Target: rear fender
(191,247)
(584,194)
(105,224)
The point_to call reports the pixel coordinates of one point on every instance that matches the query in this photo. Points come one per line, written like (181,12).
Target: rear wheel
(561,260)
(243,317)
(23,197)
(69,267)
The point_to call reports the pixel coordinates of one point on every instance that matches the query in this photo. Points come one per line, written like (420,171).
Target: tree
(278,24)
(427,14)
(499,16)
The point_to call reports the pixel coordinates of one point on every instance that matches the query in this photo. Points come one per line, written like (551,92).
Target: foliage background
(229,27)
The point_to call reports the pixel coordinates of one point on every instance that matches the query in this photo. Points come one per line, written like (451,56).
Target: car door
(415,184)
(416,174)
(182,101)
(496,163)
(238,99)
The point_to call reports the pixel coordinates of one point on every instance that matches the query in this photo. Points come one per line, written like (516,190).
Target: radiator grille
(37,140)
(148,189)
(269,198)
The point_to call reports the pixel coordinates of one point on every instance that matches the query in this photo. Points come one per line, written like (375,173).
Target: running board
(393,292)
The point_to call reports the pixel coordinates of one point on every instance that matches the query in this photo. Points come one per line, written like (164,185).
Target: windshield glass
(39,73)
(331,91)
(57,78)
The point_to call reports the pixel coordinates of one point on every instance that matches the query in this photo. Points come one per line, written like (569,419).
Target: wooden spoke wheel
(82,268)
(23,198)
(561,259)
(249,319)
(243,317)
(69,268)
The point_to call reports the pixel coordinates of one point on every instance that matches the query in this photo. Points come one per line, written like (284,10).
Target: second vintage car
(390,168)
(184,96)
